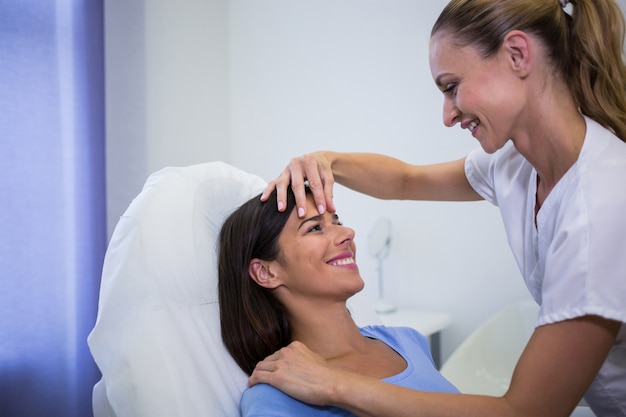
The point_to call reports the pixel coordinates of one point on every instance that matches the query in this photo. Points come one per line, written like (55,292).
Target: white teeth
(473,125)
(343,261)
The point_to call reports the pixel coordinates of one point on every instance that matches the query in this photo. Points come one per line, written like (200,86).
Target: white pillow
(157,337)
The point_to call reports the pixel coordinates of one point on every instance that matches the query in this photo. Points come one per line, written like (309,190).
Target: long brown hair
(253,322)
(586,47)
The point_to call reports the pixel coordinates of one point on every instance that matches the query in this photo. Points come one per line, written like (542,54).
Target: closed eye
(450,89)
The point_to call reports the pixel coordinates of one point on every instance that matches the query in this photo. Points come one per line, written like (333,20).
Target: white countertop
(426,322)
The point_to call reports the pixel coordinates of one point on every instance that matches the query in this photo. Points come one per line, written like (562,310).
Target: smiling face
(318,257)
(483,95)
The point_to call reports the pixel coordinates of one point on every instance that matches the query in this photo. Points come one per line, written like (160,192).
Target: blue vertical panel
(52,220)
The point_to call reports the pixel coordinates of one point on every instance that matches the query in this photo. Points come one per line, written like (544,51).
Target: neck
(329,331)
(550,136)
(550,131)
(555,152)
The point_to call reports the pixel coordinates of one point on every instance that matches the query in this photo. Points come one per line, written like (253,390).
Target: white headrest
(157,337)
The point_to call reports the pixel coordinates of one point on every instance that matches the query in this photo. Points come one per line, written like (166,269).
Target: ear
(261,272)
(518,47)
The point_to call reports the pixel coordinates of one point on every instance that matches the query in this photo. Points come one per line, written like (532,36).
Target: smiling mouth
(342,261)
(473,125)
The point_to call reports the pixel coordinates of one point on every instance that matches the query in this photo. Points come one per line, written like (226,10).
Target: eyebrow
(316,218)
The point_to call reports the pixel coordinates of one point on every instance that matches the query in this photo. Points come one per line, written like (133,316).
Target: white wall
(166,90)
(255,83)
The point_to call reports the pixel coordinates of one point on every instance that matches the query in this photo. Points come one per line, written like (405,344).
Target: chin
(491,147)
(355,289)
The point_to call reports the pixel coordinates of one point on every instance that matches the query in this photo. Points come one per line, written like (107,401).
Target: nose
(451,112)
(345,235)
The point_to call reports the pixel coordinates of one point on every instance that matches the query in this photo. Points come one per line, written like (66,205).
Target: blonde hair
(586,47)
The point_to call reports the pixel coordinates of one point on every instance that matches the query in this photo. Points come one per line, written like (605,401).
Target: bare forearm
(372,174)
(386,177)
(370,397)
